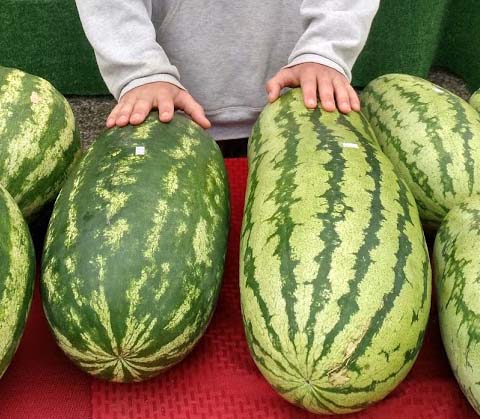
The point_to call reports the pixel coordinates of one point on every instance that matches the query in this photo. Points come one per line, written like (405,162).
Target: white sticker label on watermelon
(350,145)
(140,151)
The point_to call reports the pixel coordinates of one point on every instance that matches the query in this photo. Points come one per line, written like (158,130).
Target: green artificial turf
(403,39)
(460,45)
(45,37)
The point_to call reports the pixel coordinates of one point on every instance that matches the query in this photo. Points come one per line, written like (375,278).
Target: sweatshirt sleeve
(336,32)
(124,40)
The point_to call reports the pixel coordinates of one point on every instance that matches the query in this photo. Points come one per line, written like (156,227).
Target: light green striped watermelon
(475,100)
(17,274)
(38,139)
(335,278)
(135,249)
(457,275)
(432,138)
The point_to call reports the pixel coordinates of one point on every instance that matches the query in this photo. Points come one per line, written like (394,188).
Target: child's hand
(331,86)
(136,104)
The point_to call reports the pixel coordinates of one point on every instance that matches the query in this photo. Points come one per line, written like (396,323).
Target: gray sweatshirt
(224,51)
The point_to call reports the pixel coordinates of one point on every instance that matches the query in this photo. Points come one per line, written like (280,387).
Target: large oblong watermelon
(39,141)
(17,274)
(334,271)
(457,274)
(475,100)
(432,138)
(135,249)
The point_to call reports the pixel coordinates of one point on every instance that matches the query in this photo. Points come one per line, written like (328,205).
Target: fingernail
(311,103)
(165,115)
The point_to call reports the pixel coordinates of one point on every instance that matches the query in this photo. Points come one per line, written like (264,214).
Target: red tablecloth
(218,380)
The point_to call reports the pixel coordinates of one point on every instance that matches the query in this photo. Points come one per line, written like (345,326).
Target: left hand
(331,86)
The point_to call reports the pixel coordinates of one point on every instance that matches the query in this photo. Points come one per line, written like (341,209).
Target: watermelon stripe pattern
(38,139)
(17,274)
(135,249)
(475,100)
(334,271)
(457,269)
(431,136)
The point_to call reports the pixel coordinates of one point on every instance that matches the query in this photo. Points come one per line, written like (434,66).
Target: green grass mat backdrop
(460,46)
(45,37)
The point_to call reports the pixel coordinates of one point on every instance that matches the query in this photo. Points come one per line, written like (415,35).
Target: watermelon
(135,249)
(457,273)
(335,279)
(475,100)
(17,274)
(431,136)
(39,141)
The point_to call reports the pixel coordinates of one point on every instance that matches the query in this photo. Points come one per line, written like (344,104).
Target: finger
(140,111)
(342,96)
(112,118)
(188,104)
(284,78)
(165,108)
(124,113)
(309,90)
(325,91)
(354,99)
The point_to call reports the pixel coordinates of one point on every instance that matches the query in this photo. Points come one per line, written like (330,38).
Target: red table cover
(217,380)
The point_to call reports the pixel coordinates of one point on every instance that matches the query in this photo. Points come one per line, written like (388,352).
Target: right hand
(135,105)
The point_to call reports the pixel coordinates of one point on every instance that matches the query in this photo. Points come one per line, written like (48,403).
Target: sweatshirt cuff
(314,58)
(151,79)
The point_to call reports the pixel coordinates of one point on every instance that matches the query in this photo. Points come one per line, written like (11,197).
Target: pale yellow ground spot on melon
(114,234)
